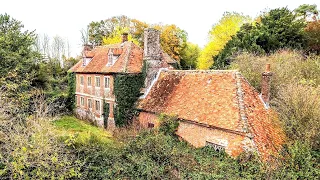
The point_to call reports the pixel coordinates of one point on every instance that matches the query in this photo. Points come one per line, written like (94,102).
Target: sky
(66,18)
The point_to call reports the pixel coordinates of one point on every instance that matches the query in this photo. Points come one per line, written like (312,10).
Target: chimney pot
(124,37)
(87,47)
(268,67)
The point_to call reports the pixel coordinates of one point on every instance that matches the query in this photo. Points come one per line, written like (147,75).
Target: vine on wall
(106,111)
(127,91)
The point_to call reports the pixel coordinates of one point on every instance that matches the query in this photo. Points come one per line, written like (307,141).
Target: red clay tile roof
(207,97)
(263,124)
(129,61)
(222,99)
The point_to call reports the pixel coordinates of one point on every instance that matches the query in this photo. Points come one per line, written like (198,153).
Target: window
(89,81)
(97,81)
(81,80)
(76,100)
(97,105)
(150,125)
(89,103)
(215,146)
(82,101)
(106,82)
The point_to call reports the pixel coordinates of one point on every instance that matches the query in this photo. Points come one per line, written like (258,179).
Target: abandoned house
(215,108)
(95,73)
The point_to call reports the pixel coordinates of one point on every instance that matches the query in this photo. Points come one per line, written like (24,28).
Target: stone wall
(152,54)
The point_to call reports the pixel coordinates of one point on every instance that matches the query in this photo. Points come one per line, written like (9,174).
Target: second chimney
(265,85)
(124,37)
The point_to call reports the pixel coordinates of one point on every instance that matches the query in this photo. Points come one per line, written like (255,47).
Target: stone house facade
(96,71)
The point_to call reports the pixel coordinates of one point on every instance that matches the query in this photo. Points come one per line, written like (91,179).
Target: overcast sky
(66,18)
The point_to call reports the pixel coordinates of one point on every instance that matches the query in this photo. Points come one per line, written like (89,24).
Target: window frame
(81,80)
(89,85)
(89,103)
(97,110)
(81,101)
(105,82)
(95,81)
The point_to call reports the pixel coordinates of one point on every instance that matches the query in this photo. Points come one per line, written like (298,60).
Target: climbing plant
(71,91)
(106,111)
(127,91)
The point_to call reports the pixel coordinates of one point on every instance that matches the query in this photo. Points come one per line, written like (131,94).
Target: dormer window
(112,57)
(86,61)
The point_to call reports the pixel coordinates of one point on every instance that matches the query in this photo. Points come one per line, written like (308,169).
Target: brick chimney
(265,85)
(152,54)
(124,37)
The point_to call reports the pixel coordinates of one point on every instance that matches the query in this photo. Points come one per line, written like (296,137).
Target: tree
(276,29)
(58,51)
(312,32)
(173,40)
(85,36)
(115,37)
(307,10)
(97,31)
(18,60)
(189,56)
(219,35)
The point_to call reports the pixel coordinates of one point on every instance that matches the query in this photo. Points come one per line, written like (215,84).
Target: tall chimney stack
(124,37)
(266,84)
(152,54)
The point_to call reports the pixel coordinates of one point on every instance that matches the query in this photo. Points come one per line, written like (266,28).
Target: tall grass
(295,90)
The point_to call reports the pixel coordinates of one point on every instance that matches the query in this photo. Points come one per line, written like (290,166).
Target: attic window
(86,61)
(215,146)
(112,58)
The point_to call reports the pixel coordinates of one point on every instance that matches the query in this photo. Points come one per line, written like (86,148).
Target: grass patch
(82,132)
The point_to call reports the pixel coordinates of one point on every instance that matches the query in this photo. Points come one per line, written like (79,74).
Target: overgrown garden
(37,143)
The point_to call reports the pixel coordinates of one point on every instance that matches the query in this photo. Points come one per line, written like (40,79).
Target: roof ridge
(202,71)
(243,116)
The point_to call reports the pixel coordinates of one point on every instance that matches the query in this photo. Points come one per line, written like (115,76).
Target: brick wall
(94,93)
(199,136)
(146,118)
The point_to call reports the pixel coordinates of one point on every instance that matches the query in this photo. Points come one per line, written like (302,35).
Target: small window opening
(215,146)
(150,125)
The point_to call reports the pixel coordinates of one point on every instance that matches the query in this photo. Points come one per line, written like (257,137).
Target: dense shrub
(299,109)
(33,151)
(168,124)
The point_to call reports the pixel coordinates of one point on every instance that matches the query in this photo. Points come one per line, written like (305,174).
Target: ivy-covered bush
(168,124)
